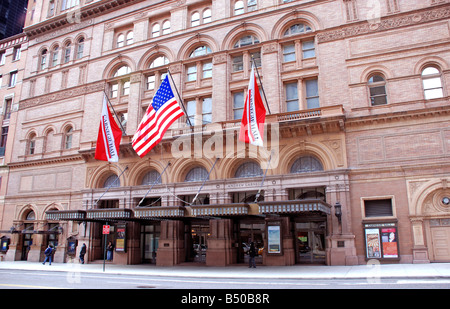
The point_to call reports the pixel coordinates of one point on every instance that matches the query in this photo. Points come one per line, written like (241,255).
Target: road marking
(30,286)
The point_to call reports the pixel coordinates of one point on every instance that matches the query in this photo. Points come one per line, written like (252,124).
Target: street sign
(106,229)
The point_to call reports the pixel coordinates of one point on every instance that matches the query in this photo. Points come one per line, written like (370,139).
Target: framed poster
(381,241)
(121,237)
(274,239)
(373,243)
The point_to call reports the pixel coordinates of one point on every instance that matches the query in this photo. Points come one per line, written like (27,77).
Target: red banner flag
(109,135)
(254,116)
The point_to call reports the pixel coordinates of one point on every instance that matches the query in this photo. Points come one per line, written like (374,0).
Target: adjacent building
(355,165)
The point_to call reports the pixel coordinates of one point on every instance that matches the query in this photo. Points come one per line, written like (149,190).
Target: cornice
(43,162)
(62,95)
(397,116)
(77,19)
(434,13)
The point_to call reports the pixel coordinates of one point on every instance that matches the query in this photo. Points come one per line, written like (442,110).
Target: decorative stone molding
(62,95)
(386,23)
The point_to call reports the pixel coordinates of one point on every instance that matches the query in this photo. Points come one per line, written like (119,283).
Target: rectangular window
(2,58)
(16,53)
(238,63)
(312,94)
(207,110)
(12,79)
(292,97)
(114,90)
(378,208)
(207,70)
(191,109)
(126,88)
(151,82)
(289,53)
(192,73)
(238,105)
(8,105)
(308,50)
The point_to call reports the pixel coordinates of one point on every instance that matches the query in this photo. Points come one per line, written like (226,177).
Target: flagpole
(159,177)
(207,177)
(115,114)
(181,100)
(260,82)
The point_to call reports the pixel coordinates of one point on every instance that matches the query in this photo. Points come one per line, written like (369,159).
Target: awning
(220,210)
(109,214)
(294,206)
(160,212)
(58,215)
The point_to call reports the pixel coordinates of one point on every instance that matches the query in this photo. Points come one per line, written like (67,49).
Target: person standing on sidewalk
(82,253)
(252,254)
(48,255)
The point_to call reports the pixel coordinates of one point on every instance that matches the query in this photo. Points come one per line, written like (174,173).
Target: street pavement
(372,270)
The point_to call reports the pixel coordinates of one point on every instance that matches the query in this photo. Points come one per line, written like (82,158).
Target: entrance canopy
(195,211)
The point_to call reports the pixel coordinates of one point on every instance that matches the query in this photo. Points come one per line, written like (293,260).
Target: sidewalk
(394,271)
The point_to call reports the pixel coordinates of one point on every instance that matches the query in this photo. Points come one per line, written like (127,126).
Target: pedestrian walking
(109,251)
(82,253)
(252,254)
(48,255)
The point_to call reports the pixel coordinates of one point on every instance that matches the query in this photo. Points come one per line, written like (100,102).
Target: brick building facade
(355,165)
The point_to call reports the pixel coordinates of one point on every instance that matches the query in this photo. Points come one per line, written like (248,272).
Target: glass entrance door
(310,238)
(149,242)
(251,232)
(199,234)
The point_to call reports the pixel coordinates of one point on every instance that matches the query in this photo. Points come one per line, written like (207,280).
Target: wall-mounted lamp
(338,211)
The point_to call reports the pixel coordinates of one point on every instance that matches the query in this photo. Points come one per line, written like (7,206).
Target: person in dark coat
(82,253)
(48,255)
(252,254)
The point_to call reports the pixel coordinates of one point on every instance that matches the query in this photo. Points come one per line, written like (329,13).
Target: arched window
(68,138)
(241,7)
(49,141)
(166,27)
(123,70)
(156,30)
(248,169)
(30,216)
(196,174)
(207,16)
(200,51)
(432,83)
(159,61)
(31,147)
(112,181)
(297,29)
(306,164)
(67,49)
(195,19)
(130,38)
(80,48)
(43,62)
(55,56)
(120,40)
(377,90)
(151,178)
(246,41)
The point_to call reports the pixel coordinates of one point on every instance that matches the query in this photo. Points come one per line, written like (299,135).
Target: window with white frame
(432,83)
(200,17)
(244,6)
(157,73)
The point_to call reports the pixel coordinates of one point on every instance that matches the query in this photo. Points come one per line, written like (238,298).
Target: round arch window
(248,169)
(112,181)
(196,174)
(306,164)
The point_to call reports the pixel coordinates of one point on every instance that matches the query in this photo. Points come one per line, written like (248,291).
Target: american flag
(160,114)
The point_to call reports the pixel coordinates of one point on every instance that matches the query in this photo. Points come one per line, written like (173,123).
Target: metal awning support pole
(159,177)
(264,178)
(110,186)
(207,177)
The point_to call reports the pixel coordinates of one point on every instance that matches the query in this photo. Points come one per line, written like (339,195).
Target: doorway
(198,243)
(310,242)
(149,242)
(251,231)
